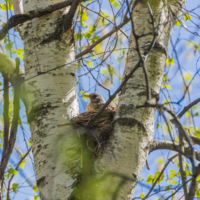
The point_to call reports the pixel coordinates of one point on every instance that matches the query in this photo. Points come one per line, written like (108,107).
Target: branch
(5,116)
(158,178)
(161,144)
(73,8)
(16,168)
(13,132)
(21,18)
(105,19)
(115,29)
(181,164)
(186,108)
(177,122)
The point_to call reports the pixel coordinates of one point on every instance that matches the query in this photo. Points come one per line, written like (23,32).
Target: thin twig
(16,168)
(158,178)
(115,29)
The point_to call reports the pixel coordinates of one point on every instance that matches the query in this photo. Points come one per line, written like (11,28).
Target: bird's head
(96,98)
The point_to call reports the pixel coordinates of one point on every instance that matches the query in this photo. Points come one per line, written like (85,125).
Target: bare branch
(181,164)
(6,116)
(186,108)
(161,144)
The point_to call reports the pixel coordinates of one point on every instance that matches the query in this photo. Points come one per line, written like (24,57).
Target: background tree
(62,39)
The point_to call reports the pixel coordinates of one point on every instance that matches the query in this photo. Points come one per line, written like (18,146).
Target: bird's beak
(87,96)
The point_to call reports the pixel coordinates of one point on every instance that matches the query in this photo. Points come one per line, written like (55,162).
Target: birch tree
(47,86)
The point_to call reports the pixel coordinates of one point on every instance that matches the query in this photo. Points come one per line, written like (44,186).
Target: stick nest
(100,130)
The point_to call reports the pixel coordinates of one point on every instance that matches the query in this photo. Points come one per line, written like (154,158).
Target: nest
(99,131)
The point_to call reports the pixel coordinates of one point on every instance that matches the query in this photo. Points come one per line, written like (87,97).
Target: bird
(97,102)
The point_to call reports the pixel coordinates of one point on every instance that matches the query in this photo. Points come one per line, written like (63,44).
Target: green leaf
(116,5)
(188,76)
(81,92)
(92,29)
(165,77)
(196,114)
(20,55)
(35,189)
(187,17)
(78,36)
(90,64)
(88,35)
(150,179)
(171,61)
(29,143)
(14,187)
(22,164)
(95,39)
(168,87)
(167,188)
(3,7)
(115,99)
(9,46)
(187,113)
(188,173)
(158,126)
(195,107)
(20,50)
(36,197)
(171,176)
(84,97)
(1,83)
(167,61)
(174,182)
(198,178)
(177,23)
(84,16)
(142,195)
(172,171)
(10,6)
(112,1)
(12,171)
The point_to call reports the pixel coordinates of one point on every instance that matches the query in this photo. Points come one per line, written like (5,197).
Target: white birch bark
(18,7)
(51,100)
(133,128)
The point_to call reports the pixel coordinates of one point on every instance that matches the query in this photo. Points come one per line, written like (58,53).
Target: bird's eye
(95,96)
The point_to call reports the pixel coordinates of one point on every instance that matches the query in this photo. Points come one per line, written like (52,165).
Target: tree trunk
(133,129)
(51,99)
